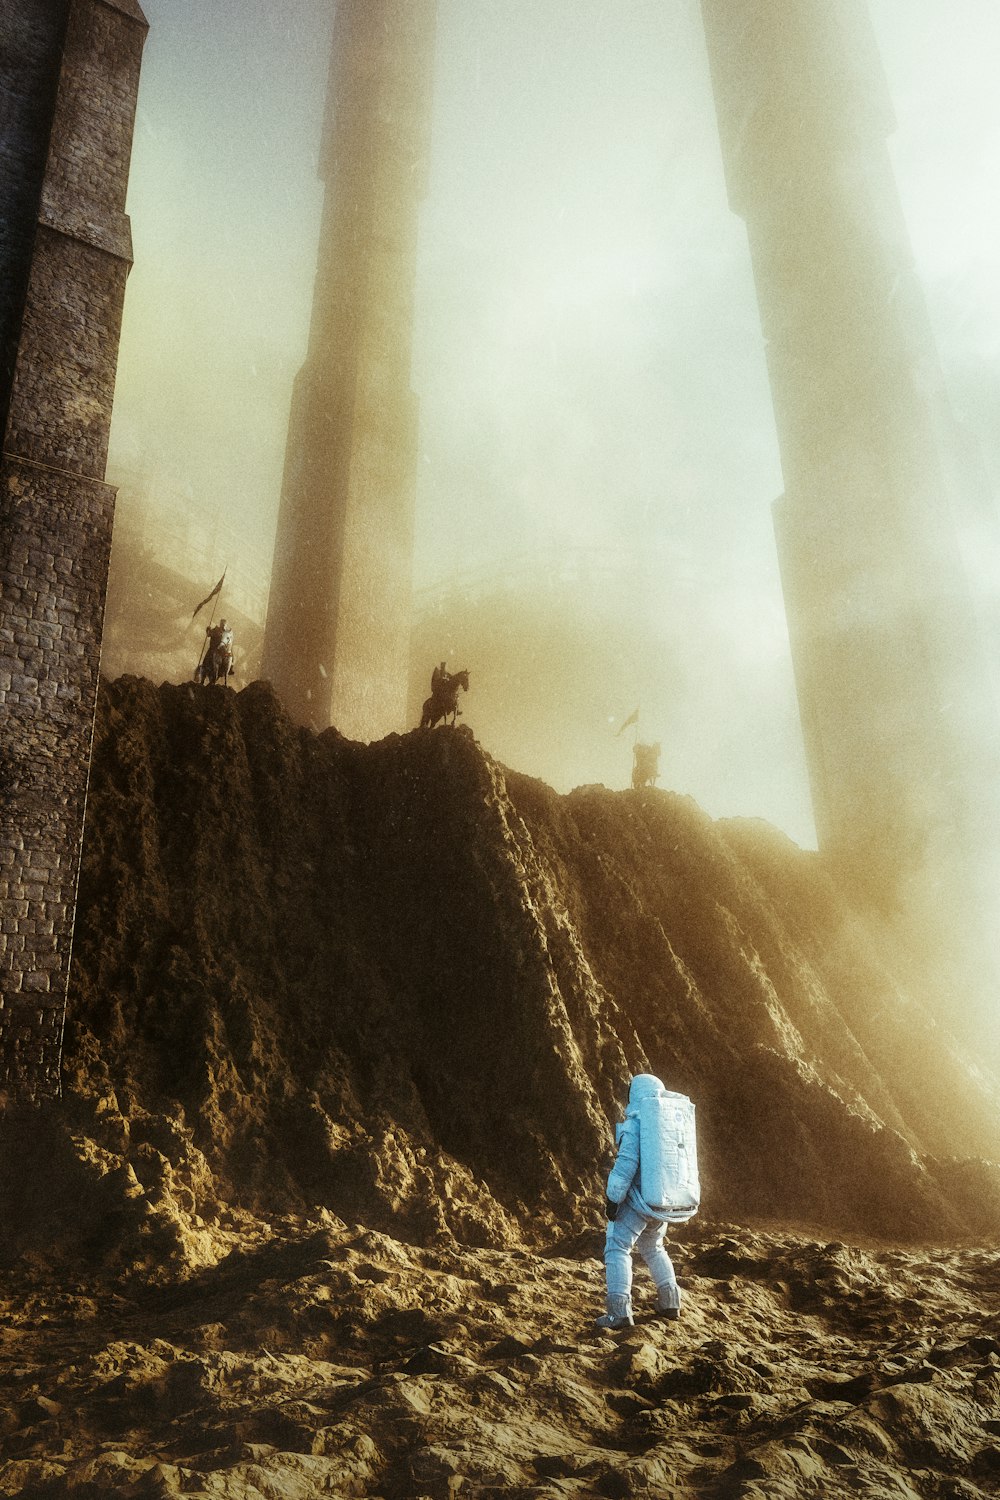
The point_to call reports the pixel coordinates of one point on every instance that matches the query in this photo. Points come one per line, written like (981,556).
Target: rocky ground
(332,1360)
(348,1028)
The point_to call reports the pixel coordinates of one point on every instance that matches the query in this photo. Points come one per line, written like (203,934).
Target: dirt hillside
(320,1213)
(403,984)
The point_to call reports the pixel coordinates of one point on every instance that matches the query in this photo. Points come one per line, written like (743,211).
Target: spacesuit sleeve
(626,1164)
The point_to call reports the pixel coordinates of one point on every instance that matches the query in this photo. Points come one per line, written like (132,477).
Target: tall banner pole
(215,596)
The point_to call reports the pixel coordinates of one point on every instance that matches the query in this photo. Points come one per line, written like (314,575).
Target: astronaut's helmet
(642,1085)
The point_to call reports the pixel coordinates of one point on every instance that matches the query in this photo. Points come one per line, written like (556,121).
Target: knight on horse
(645,765)
(217,662)
(443,701)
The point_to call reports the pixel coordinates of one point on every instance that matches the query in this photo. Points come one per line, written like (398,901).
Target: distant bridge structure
(555,568)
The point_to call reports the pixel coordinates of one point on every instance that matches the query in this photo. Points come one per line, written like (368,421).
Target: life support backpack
(668,1155)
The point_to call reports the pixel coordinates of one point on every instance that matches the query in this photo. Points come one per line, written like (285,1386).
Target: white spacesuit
(633,1223)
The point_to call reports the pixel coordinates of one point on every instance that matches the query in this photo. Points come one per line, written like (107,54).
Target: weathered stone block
(68,78)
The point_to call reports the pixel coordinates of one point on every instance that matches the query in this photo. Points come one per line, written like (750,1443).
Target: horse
(216,665)
(646,765)
(445,701)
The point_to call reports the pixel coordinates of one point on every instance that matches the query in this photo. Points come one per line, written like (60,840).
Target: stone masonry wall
(31,44)
(73,318)
(55,532)
(56,516)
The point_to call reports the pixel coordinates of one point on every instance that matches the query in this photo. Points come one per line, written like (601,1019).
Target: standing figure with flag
(216,658)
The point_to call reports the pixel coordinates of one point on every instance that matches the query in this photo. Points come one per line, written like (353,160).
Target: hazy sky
(587,350)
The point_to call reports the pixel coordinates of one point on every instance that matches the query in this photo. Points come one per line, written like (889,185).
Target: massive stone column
(897,710)
(337,634)
(69,73)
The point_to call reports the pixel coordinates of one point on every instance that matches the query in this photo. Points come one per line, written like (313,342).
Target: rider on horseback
(443,701)
(441,681)
(219,635)
(645,765)
(218,658)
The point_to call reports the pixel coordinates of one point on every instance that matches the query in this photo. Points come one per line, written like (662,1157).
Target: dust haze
(598,454)
(321,1205)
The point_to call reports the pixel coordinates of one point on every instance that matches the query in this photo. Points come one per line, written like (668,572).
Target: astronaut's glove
(611,1208)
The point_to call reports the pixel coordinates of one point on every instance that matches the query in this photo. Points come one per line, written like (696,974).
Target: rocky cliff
(408,986)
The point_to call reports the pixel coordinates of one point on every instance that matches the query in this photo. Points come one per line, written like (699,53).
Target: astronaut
(633,1224)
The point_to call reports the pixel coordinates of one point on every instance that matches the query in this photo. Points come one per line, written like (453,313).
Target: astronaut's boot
(668,1299)
(619,1313)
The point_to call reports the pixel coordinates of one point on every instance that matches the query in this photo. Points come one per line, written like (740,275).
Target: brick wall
(56,512)
(31,44)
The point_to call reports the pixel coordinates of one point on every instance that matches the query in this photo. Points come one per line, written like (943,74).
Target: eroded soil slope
(400,983)
(320,1211)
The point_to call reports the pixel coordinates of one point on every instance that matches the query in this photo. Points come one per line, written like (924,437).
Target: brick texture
(70,87)
(31,43)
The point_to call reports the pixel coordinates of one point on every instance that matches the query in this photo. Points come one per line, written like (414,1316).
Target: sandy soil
(333,1360)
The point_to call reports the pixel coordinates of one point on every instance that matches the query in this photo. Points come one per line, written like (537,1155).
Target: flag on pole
(209,597)
(633,718)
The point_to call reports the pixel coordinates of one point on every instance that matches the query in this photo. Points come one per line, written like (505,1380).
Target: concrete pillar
(337,635)
(69,74)
(898,714)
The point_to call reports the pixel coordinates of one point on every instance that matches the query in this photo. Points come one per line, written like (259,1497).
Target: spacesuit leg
(621,1236)
(661,1267)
